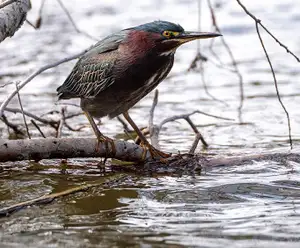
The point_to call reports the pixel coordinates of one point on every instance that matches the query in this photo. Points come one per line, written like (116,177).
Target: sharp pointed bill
(189,36)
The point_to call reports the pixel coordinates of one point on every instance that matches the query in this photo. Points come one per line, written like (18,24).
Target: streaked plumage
(124,67)
(116,73)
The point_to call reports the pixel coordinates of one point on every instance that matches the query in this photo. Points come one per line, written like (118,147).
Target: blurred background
(253,206)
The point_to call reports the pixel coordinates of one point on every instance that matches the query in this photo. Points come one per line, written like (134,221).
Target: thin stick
(38,21)
(73,23)
(53,124)
(4,85)
(199,26)
(234,63)
(38,128)
(199,57)
(195,143)
(61,122)
(196,131)
(34,74)
(50,197)
(8,2)
(203,79)
(124,124)
(276,84)
(21,106)
(184,116)
(259,22)
(153,129)
(11,125)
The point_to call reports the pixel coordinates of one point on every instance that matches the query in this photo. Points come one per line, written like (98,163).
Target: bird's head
(169,36)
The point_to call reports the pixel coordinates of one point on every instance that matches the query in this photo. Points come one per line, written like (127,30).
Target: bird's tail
(63,93)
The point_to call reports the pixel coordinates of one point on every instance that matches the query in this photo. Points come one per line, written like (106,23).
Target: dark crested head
(159,27)
(169,36)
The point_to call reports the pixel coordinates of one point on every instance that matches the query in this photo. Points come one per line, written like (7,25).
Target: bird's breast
(134,71)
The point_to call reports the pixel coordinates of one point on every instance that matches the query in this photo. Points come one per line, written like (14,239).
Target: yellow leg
(99,135)
(153,151)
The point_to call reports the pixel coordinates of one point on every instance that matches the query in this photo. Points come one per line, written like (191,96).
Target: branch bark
(51,148)
(12,16)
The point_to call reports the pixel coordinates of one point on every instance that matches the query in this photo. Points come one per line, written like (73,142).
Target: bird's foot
(107,141)
(157,154)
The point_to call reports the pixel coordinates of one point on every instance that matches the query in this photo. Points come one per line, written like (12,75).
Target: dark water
(254,205)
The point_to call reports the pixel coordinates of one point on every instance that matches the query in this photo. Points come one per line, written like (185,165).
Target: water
(254,205)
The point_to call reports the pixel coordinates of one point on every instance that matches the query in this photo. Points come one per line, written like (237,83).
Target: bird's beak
(189,36)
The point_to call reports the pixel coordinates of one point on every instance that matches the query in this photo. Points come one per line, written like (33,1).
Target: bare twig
(234,63)
(201,59)
(38,21)
(276,84)
(71,128)
(73,23)
(196,131)
(38,128)
(184,116)
(203,79)
(53,124)
(61,122)
(14,127)
(67,125)
(153,129)
(34,74)
(199,25)
(257,24)
(112,179)
(124,124)
(22,110)
(4,85)
(8,2)
(73,115)
(195,143)
(260,23)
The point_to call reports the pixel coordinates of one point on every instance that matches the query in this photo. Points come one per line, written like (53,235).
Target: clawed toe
(157,154)
(107,141)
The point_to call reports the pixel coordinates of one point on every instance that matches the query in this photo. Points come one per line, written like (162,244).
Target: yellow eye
(169,34)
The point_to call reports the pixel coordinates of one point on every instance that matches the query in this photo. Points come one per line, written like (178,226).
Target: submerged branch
(112,179)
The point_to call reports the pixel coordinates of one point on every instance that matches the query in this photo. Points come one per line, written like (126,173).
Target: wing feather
(93,72)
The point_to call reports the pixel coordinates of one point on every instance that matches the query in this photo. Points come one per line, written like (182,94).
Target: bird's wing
(93,72)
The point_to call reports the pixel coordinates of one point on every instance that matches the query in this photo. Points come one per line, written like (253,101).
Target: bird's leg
(153,151)
(99,135)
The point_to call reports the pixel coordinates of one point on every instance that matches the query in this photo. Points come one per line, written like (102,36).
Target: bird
(121,69)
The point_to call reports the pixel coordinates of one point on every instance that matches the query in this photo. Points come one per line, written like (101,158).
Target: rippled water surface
(254,205)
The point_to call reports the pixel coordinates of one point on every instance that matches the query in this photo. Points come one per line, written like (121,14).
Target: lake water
(254,205)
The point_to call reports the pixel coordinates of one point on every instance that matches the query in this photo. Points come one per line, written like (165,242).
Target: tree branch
(12,16)
(36,73)
(52,148)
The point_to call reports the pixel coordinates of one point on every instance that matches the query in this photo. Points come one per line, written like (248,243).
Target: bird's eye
(169,34)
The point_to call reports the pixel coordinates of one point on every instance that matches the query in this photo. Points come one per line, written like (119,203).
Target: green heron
(121,69)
